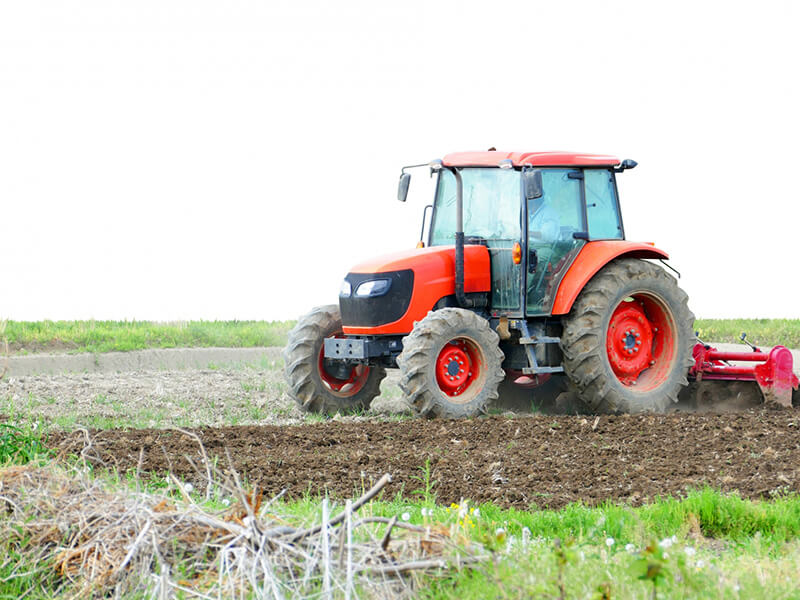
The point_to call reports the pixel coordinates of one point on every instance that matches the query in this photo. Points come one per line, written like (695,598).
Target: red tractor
(525,280)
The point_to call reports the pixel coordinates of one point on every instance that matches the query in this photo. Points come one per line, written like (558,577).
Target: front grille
(380,310)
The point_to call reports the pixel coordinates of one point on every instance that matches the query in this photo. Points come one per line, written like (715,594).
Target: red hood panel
(434,278)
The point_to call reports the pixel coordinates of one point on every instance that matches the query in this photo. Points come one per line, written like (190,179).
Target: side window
(601,205)
(557,214)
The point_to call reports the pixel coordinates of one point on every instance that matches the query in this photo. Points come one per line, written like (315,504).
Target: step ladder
(530,342)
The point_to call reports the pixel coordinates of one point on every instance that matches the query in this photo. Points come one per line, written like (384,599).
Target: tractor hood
(440,258)
(433,278)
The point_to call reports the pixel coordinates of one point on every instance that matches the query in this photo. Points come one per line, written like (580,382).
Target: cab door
(556,231)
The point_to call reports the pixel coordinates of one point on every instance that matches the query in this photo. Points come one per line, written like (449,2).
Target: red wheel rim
(640,342)
(343,388)
(458,367)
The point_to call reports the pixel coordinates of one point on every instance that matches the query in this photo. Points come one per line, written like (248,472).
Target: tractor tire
(310,384)
(627,342)
(450,364)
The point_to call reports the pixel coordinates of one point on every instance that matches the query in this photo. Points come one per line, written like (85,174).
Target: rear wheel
(627,341)
(319,385)
(450,364)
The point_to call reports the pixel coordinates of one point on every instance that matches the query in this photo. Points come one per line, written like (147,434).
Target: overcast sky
(217,160)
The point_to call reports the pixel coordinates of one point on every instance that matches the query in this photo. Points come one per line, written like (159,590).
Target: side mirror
(532,182)
(402,186)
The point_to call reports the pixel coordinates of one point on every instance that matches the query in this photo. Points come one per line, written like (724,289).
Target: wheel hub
(455,367)
(629,342)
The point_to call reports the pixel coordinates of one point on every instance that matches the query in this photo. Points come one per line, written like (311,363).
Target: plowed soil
(519,462)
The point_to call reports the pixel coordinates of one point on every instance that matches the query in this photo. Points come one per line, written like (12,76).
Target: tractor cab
(533,221)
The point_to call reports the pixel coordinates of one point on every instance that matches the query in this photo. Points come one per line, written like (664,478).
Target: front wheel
(627,341)
(319,385)
(450,364)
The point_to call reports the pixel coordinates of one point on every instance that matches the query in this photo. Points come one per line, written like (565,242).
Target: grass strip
(122,336)
(762,332)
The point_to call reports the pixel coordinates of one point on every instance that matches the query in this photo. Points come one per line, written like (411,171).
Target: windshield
(491,205)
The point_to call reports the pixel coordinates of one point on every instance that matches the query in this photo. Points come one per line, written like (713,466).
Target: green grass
(762,332)
(108,336)
(20,444)
(707,545)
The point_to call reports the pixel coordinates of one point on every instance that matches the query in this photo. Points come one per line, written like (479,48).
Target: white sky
(175,160)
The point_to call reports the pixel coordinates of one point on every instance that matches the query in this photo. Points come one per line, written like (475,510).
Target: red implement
(771,370)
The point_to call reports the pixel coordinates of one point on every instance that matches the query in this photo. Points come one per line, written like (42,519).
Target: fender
(434,278)
(593,257)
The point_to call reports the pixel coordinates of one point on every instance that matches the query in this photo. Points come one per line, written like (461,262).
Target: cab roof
(492,158)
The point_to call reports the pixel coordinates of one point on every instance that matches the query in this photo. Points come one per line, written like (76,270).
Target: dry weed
(112,541)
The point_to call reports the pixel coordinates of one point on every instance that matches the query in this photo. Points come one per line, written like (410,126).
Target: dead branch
(368,495)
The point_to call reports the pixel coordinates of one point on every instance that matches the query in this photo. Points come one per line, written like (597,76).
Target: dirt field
(512,461)
(547,461)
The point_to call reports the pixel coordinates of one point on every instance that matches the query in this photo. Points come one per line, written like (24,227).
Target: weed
(20,446)
(427,494)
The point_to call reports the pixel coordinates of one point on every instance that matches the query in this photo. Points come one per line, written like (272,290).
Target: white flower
(226,502)
(700,563)
(189,488)
(405,516)
(609,541)
(477,512)
(667,542)
(690,551)
(630,548)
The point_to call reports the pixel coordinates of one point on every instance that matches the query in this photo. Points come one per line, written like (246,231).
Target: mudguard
(593,257)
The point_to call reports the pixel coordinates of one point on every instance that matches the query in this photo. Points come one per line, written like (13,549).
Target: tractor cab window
(491,205)
(492,212)
(602,209)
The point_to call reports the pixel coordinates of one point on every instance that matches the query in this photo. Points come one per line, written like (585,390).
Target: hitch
(772,371)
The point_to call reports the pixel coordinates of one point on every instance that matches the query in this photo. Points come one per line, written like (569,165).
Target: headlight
(372,288)
(346,289)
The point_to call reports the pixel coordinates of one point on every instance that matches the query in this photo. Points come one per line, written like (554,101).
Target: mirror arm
(403,170)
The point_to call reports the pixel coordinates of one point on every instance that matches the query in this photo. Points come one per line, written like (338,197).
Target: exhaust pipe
(461,297)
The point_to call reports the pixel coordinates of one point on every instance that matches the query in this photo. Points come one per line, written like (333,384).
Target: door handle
(533,260)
